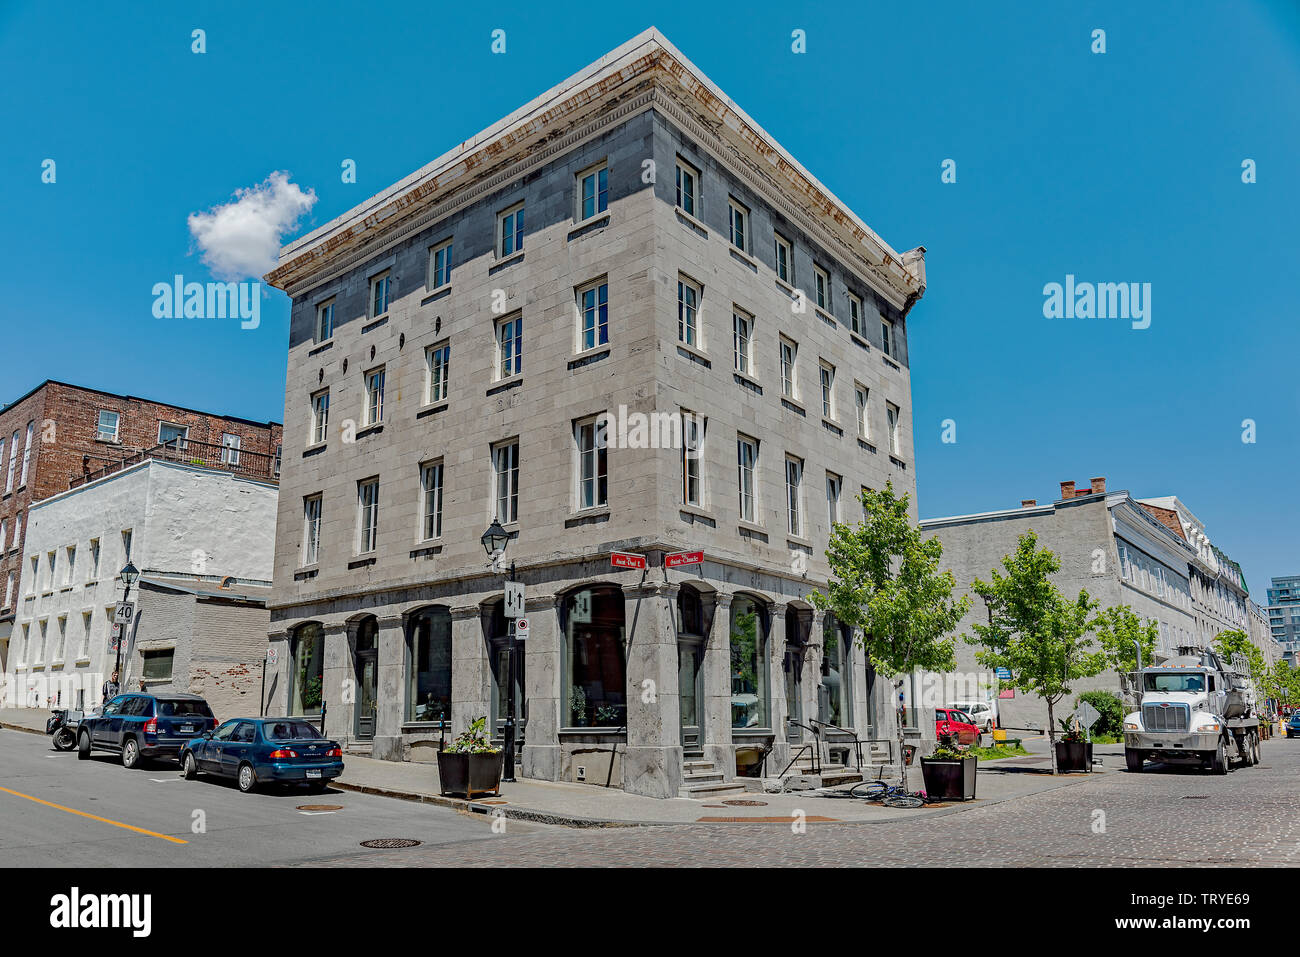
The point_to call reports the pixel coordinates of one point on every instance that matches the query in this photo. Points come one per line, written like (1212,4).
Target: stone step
(703,776)
(697,765)
(714,789)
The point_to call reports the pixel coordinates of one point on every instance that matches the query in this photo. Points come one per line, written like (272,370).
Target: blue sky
(1115,167)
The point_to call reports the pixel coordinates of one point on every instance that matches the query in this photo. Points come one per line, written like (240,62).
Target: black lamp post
(130,574)
(495,540)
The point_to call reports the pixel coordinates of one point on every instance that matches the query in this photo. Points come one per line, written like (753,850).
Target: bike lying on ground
(890,795)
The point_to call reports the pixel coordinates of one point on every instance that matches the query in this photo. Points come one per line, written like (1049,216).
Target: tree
(1118,628)
(885,583)
(1034,631)
(1235,641)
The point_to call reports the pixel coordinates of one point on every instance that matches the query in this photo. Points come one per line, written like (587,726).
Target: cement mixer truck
(1195,709)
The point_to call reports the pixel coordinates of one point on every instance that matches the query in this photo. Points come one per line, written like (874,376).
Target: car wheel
(189,767)
(83,746)
(130,753)
(246,779)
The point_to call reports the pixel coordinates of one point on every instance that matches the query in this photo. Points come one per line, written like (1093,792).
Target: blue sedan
(1293,726)
(257,751)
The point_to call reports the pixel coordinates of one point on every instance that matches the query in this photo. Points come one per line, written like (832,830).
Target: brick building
(60,435)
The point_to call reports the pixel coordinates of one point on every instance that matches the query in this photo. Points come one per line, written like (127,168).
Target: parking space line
(93,817)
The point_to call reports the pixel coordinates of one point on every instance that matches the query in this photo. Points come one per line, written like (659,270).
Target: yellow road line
(93,817)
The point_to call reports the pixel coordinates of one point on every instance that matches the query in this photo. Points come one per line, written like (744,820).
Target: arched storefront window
(595,667)
(837,673)
(750,706)
(428,648)
(307,677)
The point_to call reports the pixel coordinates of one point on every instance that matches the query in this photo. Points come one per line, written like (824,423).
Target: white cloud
(241,240)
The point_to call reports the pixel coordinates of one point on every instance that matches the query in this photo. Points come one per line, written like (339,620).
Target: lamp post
(495,540)
(130,574)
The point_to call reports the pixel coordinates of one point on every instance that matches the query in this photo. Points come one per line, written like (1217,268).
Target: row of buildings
(620,320)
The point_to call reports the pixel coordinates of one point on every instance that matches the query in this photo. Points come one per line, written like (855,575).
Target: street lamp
(130,575)
(495,540)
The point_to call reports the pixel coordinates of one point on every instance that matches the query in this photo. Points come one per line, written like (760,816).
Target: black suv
(145,726)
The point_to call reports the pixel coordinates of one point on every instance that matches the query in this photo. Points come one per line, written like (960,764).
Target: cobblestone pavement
(1173,817)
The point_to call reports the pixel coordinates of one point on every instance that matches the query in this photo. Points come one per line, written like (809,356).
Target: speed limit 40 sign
(123,613)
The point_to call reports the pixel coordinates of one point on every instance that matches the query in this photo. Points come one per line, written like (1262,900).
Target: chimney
(1099,484)
(1028,502)
(1067,490)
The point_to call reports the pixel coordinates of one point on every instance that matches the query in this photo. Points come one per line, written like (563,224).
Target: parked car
(958,724)
(1293,726)
(981,713)
(142,726)
(257,751)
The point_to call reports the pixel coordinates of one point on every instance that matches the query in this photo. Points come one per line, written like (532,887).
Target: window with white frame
(311,511)
(855,313)
(320,417)
(325,320)
(60,638)
(510,346)
(688,312)
(52,558)
(27,451)
(4,535)
(862,500)
(381,288)
(71,564)
(437,365)
(593,191)
(693,426)
(892,416)
(505,476)
(688,188)
(789,373)
(106,430)
(593,315)
(43,648)
(431,500)
(230,444)
(833,485)
(367,515)
(36,570)
(738,224)
(784,260)
(510,231)
(173,436)
(886,336)
(861,400)
(592,463)
(827,374)
(439,265)
(822,287)
(93,573)
(18,530)
(9,590)
(13,459)
(793,494)
(742,341)
(374,410)
(746,470)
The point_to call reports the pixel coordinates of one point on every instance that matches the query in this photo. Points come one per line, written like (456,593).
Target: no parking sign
(521,629)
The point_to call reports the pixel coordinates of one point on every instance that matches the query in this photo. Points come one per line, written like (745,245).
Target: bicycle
(890,795)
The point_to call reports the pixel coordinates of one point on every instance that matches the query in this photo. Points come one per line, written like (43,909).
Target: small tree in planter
(949,773)
(470,762)
(1074,750)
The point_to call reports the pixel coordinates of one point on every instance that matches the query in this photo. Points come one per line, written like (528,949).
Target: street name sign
(677,559)
(1004,674)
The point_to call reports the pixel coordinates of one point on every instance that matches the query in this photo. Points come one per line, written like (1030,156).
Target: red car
(958,724)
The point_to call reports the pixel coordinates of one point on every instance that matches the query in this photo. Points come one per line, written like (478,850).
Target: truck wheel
(1219,762)
(1133,759)
(1254,749)
(83,746)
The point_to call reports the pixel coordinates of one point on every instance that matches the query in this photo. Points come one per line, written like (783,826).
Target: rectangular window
(789,380)
(94,560)
(693,427)
(738,223)
(833,485)
(688,184)
(325,321)
(311,509)
(510,231)
(320,417)
(173,436)
(593,465)
(510,346)
(4,535)
(855,314)
(742,335)
(746,465)
(380,289)
(374,380)
(827,372)
(27,451)
(158,664)
(593,316)
(822,286)
(367,515)
(593,192)
(13,457)
(230,444)
(891,414)
(861,397)
(85,635)
(431,500)
(36,570)
(9,590)
(437,364)
(71,563)
(106,431)
(505,469)
(793,494)
(784,260)
(688,310)
(439,265)
(886,337)
(126,543)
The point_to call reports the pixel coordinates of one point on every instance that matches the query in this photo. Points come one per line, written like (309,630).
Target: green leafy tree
(1236,641)
(1035,632)
(885,583)
(1121,633)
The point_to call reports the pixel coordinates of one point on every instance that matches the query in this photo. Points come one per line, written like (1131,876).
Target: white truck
(1194,709)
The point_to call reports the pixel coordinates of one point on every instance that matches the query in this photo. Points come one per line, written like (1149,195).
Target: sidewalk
(24,719)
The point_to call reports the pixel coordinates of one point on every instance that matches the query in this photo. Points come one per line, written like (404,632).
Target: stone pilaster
(780,711)
(716,706)
(471,681)
(338,681)
(652,764)
(277,677)
(542,658)
(390,692)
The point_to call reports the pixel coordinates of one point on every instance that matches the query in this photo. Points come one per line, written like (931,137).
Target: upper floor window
(892,416)
(173,436)
(822,287)
(367,515)
(71,563)
(380,290)
(4,535)
(746,467)
(325,321)
(688,308)
(593,315)
(2,460)
(688,186)
(784,260)
(833,485)
(106,430)
(27,450)
(374,411)
(311,509)
(510,231)
(789,372)
(510,346)
(593,463)
(593,191)
(693,426)
(505,473)
(439,265)
(437,366)
(320,416)
(793,494)
(431,500)
(828,389)
(861,394)
(855,313)
(738,223)
(886,336)
(93,574)
(230,444)
(742,335)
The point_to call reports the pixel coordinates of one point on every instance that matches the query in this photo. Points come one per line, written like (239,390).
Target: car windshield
(184,709)
(1172,681)
(290,731)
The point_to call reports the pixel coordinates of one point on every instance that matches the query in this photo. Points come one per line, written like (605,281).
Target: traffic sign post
(1087,716)
(514,603)
(123,613)
(521,629)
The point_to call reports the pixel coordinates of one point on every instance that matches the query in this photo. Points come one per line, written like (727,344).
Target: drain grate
(319,807)
(740,803)
(390,842)
(1196,797)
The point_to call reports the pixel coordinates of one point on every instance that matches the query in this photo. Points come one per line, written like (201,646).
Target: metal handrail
(193,452)
(857,742)
(798,754)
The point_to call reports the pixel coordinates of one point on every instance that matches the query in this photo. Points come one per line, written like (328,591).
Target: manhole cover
(739,803)
(388,842)
(319,807)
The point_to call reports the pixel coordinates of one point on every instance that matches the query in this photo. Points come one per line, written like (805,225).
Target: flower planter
(949,780)
(1074,756)
(470,774)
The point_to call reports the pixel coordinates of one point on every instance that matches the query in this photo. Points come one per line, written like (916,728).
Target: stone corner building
(628,242)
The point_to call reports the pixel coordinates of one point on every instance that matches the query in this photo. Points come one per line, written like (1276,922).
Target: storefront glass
(750,707)
(428,695)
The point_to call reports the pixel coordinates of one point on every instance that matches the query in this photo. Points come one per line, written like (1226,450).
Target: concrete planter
(470,774)
(949,780)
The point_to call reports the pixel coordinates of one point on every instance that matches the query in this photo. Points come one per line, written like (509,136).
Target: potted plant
(1073,751)
(949,774)
(469,764)
(607,716)
(578,705)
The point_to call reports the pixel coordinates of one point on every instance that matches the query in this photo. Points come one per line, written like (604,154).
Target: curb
(19,727)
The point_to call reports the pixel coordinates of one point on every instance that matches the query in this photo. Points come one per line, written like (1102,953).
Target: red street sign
(626,560)
(683,558)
